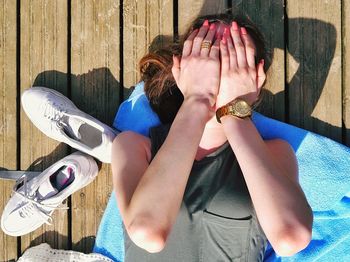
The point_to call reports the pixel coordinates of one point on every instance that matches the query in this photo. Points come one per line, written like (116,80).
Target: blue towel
(324,174)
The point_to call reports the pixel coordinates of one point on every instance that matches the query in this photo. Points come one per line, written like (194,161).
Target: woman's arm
(270,171)
(152,202)
(149,195)
(269,168)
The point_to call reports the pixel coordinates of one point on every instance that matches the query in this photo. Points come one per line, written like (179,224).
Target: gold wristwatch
(237,107)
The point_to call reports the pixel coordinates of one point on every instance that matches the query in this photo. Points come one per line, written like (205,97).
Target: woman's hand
(240,77)
(198,73)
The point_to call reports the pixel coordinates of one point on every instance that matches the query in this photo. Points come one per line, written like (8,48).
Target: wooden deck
(89,51)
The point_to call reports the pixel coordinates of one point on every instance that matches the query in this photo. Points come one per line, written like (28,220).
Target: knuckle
(215,47)
(187,42)
(235,71)
(225,61)
(198,39)
(252,75)
(195,58)
(224,54)
(244,72)
(249,47)
(212,61)
(233,54)
(239,45)
(252,70)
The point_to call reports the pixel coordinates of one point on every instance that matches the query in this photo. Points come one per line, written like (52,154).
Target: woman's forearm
(280,203)
(158,196)
(156,201)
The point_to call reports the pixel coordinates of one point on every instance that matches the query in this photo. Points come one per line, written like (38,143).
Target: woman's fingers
(208,39)
(197,42)
(249,48)
(239,46)
(215,49)
(225,59)
(232,52)
(187,48)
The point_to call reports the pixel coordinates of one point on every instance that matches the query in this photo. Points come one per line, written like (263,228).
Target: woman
(197,189)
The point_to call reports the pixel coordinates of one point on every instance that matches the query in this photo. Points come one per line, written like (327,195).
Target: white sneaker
(33,202)
(57,117)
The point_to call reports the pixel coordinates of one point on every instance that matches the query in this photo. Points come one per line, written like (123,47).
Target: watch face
(238,108)
(242,108)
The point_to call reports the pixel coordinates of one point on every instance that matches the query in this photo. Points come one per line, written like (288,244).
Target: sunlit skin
(209,78)
(213,129)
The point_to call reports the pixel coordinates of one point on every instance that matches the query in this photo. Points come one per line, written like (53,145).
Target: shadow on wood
(43,162)
(311,43)
(91,80)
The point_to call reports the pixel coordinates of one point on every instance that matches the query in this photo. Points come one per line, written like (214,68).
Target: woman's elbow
(150,238)
(292,241)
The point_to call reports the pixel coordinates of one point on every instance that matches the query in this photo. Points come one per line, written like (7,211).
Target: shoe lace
(36,205)
(55,113)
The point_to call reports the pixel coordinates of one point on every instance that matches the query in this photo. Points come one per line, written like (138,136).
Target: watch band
(237,107)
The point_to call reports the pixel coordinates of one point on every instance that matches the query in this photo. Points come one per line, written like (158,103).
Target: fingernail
(243,31)
(206,22)
(262,61)
(234,25)
(225,31)
(212,27)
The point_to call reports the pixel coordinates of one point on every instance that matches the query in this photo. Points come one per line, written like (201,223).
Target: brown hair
(155,67)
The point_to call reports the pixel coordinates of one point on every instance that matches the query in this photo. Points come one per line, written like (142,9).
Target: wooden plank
(146,22)
(188,12)
(95,90)
(269,18)
(8,114)
(346,69)
(43,50)
(314,66)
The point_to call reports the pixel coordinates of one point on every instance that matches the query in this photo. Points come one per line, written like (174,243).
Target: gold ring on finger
(206,44)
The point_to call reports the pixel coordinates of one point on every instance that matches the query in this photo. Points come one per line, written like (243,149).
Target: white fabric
(46,189)
(73,126)
(44,252)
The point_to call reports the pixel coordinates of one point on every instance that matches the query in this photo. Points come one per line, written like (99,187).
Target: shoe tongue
(73,127)
(46,190)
